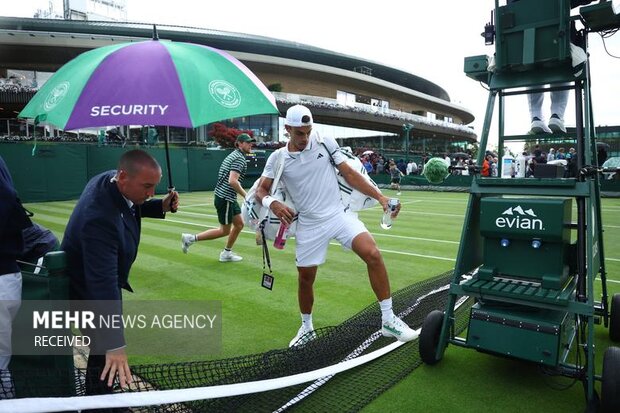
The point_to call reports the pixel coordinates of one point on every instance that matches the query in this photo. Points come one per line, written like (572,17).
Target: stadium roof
(46,44)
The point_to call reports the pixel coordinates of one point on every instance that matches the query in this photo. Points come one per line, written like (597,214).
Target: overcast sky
(429,39)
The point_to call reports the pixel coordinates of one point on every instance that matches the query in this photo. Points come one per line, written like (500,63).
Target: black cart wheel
(429,337)
(614,318)
(610,386)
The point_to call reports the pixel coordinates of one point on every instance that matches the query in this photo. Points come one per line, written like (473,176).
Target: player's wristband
(267,201)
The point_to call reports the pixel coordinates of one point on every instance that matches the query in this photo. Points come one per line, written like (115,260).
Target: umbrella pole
(170,185)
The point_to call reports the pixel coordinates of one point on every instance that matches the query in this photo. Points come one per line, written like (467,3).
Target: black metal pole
(170,185)
(581,202)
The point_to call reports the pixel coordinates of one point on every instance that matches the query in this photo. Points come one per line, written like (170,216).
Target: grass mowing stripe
(198,205)
(407,253)
(414,238)
(198,213)
(373,233)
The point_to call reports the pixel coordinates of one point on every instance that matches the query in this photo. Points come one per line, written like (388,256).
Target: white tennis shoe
(186,241)
(229,256)
(397,328)
(303,336)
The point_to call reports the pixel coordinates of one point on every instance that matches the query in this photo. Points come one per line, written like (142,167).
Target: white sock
(306,321)
(386,309)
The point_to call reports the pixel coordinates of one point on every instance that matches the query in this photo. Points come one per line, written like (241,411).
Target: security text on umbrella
(117,110)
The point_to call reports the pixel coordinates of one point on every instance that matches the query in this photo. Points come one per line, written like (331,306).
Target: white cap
(298,115)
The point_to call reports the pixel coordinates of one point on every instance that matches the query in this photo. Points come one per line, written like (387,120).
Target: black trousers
(94,385)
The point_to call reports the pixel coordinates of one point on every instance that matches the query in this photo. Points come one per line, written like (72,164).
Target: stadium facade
(362,103)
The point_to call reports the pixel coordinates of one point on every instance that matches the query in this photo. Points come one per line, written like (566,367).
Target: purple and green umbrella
(152,82)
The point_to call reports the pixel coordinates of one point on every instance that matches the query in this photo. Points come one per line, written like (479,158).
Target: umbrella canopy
(149,83)
(461,155)
(612,162)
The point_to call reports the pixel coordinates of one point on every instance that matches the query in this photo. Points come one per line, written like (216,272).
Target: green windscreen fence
(55,172)
(59,171)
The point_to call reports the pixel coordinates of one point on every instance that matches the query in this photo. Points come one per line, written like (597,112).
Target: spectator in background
(459,164)
(380,165)
(367,164)
(560,154)
(486,165)
(551,155)
(412,168)
(395,175)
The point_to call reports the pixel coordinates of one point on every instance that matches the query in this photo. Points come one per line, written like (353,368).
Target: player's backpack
(352,199)
(255,215)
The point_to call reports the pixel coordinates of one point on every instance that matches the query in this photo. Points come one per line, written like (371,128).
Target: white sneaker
(303,336)
(556,124)
(229,256)
(398,329)
(186,241)
(538,127)
(398,193)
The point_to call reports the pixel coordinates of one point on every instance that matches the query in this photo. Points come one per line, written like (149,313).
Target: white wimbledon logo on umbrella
(56,95)
(224,93)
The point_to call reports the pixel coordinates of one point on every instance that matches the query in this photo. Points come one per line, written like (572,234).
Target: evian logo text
(517,218)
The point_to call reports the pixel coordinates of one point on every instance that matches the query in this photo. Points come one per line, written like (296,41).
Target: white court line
(416,255)
(613,281)
(196,205)
(434,257)
(432,213)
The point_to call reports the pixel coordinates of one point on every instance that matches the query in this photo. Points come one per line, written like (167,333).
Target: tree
(225,136)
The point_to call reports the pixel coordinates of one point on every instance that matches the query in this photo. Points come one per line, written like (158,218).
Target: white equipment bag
(352,199)
(254,213)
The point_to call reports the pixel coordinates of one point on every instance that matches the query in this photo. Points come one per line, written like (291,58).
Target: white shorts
(10,301)
(313,240)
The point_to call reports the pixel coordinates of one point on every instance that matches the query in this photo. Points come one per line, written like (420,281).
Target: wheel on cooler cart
(610,382)
(429,337)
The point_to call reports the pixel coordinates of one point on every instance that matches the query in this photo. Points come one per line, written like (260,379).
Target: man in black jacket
(101,242)
(13,220)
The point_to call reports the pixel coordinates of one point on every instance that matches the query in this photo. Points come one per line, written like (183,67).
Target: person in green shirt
(229,179)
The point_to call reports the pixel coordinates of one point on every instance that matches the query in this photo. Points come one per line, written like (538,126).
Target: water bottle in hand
(386,219)
(280,240)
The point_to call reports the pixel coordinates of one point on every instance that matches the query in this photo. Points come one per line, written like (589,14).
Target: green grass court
(423,242)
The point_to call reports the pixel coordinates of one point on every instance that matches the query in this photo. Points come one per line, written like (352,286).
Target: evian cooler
(527,238)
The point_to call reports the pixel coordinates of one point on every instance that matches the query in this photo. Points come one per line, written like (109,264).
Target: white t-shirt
(311,180)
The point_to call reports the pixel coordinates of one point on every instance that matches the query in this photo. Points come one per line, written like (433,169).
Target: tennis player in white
(311,182)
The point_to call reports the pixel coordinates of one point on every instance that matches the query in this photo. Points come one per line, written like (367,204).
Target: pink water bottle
(280,240)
